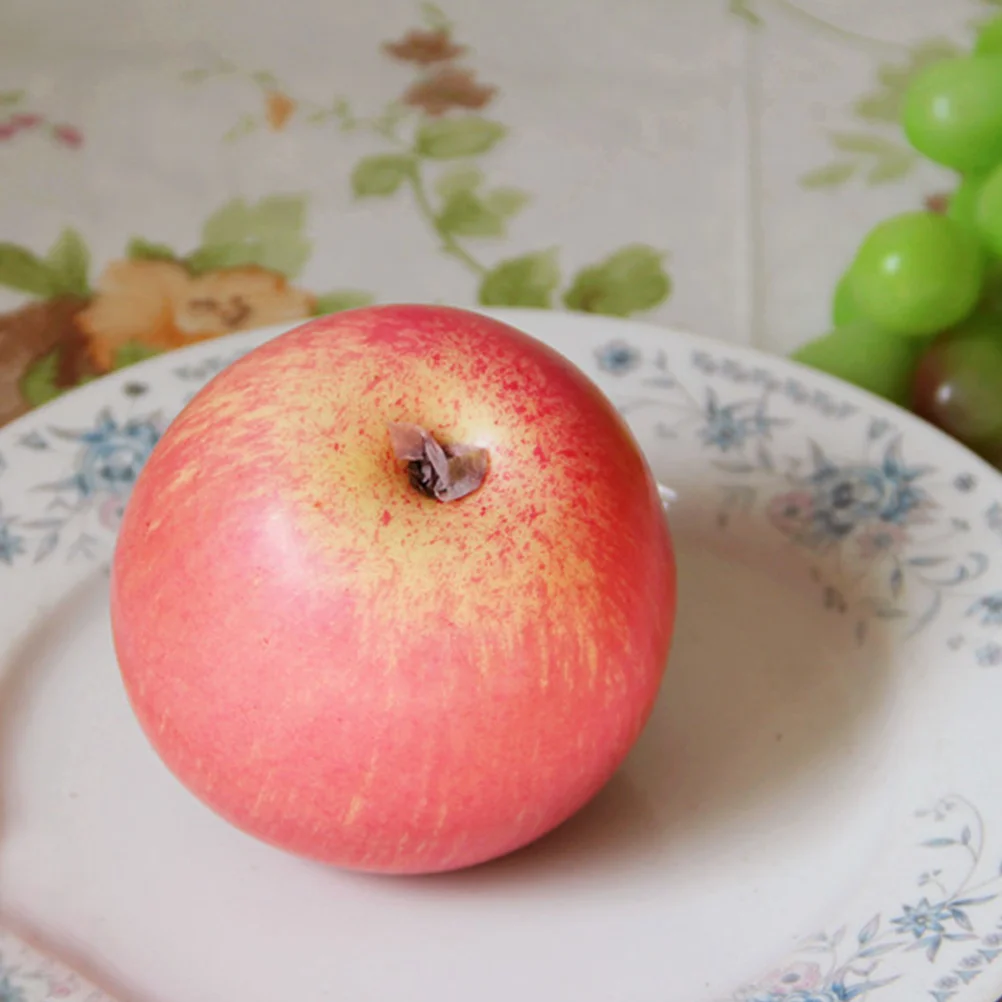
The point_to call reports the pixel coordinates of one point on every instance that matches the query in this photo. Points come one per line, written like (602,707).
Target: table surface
(175,171)
(172,172)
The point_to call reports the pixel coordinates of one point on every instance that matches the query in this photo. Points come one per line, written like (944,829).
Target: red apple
(359,673)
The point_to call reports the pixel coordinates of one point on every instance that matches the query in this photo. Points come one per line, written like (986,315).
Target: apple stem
(442,472)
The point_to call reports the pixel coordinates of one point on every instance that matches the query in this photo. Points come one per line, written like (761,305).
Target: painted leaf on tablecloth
(380,175)
(38,384)
(343,299)
(741,8)
(885,103)
(629,281)
(140,249)
(529,280)
(268,234)
(25,272)
(891,167)
(466,214)
(69,261)
(829,176)
(452,138)
(62,272)
(464,177)
(506,201)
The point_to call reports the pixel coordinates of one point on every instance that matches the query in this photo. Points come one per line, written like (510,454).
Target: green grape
(989,38)
(963,202)
(958,385)
(991,293)
(988,211)
(953,112)
(844,309)
(917,273)
(866,357)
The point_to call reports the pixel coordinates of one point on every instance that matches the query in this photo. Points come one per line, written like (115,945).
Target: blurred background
(171,172)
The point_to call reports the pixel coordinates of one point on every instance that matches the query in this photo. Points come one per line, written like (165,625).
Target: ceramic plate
(813,813)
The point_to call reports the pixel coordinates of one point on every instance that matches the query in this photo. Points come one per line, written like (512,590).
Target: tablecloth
(174,172)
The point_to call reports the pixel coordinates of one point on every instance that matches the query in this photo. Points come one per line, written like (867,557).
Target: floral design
(448,88)
(728,427)
(875,150)
(83,321)
(17,120)
(791,512)
(951,918)
(278,109)
(989,655)
(162,305)
(856,498)
(11,544)
(988,609)
(880,541)
(431,139)
(153,299)
(426,46)
(793,981)
(618,358)
(24,973)
(104,462)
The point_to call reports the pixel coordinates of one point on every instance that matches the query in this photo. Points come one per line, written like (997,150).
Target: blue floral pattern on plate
(877,516)
(950,906)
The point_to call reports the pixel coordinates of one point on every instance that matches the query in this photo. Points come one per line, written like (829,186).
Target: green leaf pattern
(630,281)
(452,138)
(529,280)
(38,384)
(268,234)
(380,175)
(432,156)
(877,153)
(436,161)
(62,272)
(344,299)
(69,259)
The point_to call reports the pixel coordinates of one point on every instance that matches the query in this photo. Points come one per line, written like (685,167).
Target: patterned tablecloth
(173,172)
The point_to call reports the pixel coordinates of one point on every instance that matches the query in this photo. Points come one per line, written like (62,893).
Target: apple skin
(362,675)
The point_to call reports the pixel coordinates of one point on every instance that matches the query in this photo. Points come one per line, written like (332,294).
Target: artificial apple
(345,664)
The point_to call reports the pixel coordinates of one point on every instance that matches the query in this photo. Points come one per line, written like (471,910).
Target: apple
(344,663)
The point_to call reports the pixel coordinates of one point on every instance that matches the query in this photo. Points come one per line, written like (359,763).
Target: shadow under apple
(768,693)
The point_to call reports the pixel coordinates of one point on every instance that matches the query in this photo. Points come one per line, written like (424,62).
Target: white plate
(813,812)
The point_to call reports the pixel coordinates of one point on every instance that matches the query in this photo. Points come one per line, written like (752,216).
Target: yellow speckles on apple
(163,720)
(440,818)
(389,698)
(354,809)
(265,795)
(401,845)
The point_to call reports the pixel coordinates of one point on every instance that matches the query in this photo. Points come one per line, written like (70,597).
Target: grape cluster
(918,314)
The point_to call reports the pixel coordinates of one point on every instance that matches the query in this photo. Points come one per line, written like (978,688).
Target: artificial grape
(953,112)
(917,273)
(988,211)
(963,202)
(989,38)
(991,292)
(866,357)
(844,309)
(958,385)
